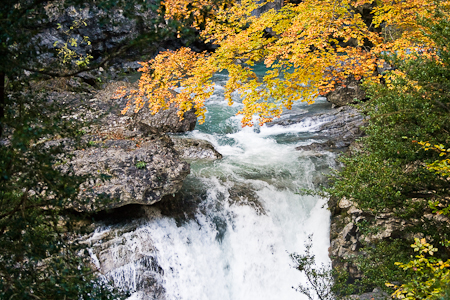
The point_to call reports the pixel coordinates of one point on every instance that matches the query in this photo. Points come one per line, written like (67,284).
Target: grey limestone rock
(347,235)
(340,127)
(376,294)
(128,249)
(164,121)
(142,168)
(141,171)
(107,31)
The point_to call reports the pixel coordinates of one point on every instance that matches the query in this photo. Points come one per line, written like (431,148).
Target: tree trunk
(2,101)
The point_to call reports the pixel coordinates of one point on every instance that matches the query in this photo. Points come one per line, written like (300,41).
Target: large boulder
(141,170)
(165,121)
(144,122)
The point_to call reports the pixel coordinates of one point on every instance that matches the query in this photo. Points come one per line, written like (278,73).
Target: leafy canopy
(309,48)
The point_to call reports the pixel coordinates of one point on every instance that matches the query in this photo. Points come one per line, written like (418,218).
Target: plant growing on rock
(141,164)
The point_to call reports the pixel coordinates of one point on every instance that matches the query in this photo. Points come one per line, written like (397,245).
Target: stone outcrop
(141,170)
(166,121)
(353,228)
(345,234)
(348,93)
(107,31)
(339,128)
(189,148)
(336,129)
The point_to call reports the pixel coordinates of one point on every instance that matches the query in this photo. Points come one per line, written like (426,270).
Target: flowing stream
(230,235)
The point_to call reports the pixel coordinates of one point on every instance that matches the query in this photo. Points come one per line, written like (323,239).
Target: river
(244,216)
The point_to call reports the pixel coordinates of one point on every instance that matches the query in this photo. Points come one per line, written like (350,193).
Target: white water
(249,220)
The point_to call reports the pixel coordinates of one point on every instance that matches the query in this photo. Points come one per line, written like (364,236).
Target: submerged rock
(190,148)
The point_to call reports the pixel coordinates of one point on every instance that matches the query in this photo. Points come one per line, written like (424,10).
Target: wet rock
(348,93)
(125,254)
(340,128)
(241,194)
(189,148)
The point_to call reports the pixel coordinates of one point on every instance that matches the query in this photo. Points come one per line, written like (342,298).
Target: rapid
(244,215)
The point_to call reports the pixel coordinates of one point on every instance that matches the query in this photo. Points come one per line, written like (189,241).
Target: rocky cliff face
(347,235)
(108,36)
(352,229)
(106,30)
(104,35)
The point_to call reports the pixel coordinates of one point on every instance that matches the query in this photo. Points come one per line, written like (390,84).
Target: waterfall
(245,216)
